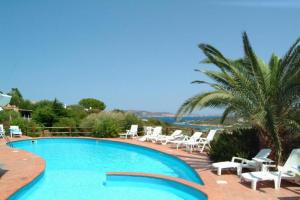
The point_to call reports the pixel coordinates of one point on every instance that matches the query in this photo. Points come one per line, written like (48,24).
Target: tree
(16,97)
(76,112)
(26,104)
(48,112)
(264,94)
(58,108)
(90,103)
(44,115)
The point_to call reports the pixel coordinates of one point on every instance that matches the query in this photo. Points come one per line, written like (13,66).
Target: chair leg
(219,171)
(202,147)
(239,171)
(277,183)
(253,184)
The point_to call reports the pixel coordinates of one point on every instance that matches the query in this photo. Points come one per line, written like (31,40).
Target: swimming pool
(76,169)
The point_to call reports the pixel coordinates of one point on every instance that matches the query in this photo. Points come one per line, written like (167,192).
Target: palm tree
(263,94)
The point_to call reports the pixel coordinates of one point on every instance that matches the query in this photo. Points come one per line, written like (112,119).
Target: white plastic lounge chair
(289,171)
(148,130)
(164,139)
(157,132)
(2,131)
(15,130)
(207,140)
(193,140)
(130,133)
(243,163)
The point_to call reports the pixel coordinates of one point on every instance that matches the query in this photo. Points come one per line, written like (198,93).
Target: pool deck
(18,168)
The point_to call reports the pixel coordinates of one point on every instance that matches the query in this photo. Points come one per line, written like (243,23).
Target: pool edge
(181,181)
(195,186)
(18,178)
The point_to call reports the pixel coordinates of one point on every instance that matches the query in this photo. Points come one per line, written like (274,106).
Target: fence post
(70,131)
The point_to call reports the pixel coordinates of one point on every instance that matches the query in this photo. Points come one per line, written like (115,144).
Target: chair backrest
(293,160)
(196,136)
(176,133)
(148,130)
(263,153)
(14,128)
(211,135)
(134,128)
(1,128)
(157,130)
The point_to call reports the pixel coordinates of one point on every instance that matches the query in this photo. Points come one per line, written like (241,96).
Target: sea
(188,122)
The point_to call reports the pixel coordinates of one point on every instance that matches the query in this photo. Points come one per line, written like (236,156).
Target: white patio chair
(289,171)
(156,133)
(130,133)
(15,130)
(207,140)
(242,162)
(148,130)
(2,131)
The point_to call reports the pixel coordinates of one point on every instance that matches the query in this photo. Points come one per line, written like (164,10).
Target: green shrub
(241,142)
(44,115)
(89,121)
(107,127)
(155,122)
(6,115)
(109,124)
(76,112)
(65,122)
(131,119)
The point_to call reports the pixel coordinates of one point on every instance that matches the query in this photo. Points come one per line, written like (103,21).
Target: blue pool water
(76,169)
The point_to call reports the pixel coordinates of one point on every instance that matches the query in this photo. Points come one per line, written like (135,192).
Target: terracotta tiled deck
(21,167)
(17,168)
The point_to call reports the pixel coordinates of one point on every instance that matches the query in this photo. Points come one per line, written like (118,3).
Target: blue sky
(131,54)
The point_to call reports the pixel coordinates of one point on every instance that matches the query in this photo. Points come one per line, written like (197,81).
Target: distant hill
(147,114)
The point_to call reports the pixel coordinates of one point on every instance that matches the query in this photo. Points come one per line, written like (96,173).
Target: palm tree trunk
(268,139)
(278,149)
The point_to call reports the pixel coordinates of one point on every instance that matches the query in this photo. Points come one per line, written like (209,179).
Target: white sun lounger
(187,140)
(157,132)
(243,163)
(148,130)
(207,140)
(289,171)
(164,139)
(130,133)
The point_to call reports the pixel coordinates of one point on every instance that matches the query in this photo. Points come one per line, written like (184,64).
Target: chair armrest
(285,170)
(238,158)
(202,140)
(186,138)
(281,168)
(266,167)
